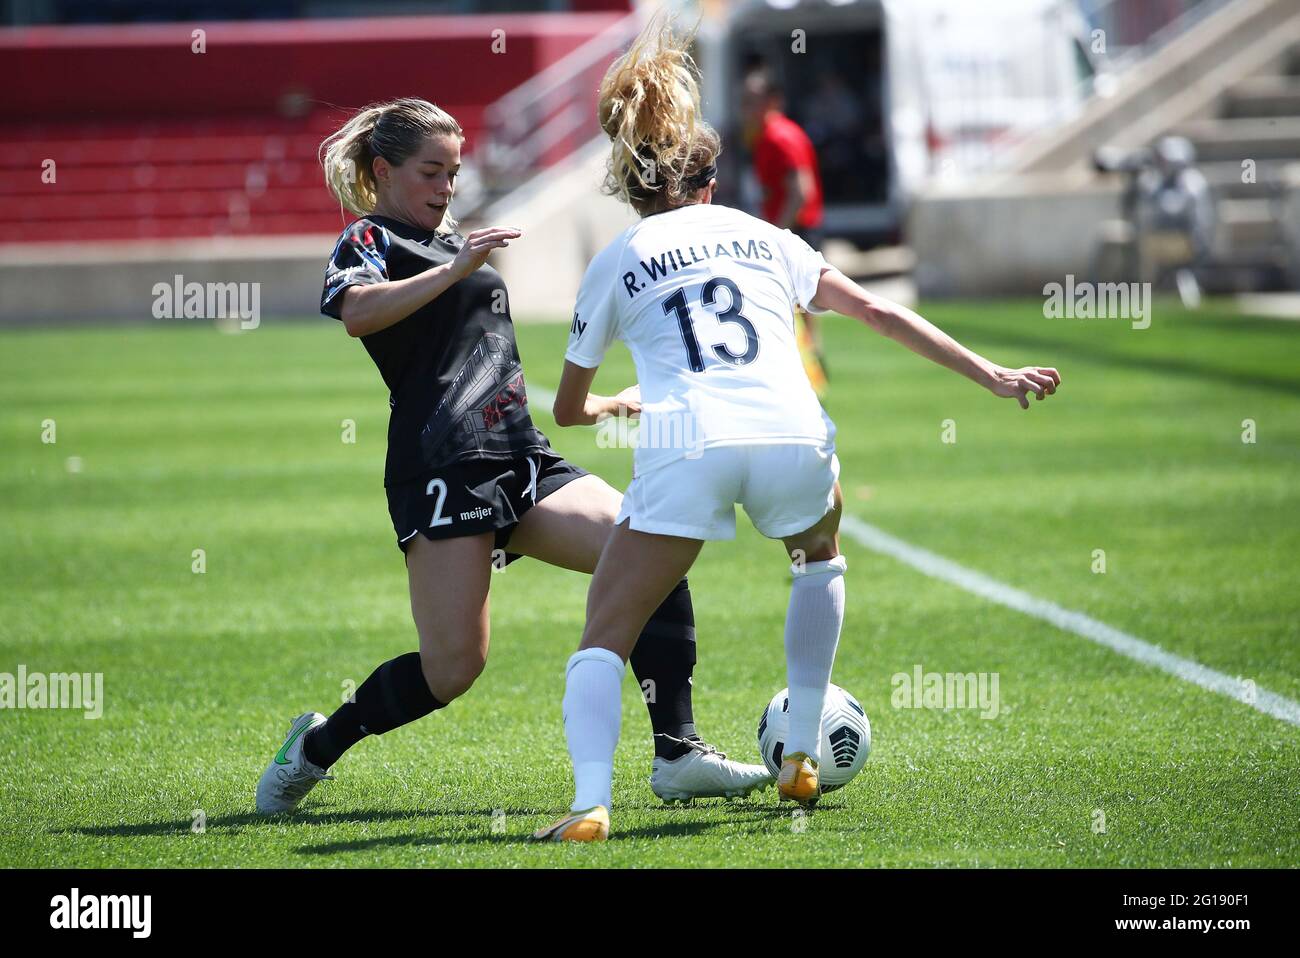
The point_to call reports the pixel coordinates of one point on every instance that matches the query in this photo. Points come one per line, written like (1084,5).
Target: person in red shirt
(785,166)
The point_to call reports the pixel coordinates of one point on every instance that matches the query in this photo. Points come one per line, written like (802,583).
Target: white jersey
(704,298)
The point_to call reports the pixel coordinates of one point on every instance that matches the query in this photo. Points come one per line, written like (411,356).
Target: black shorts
(476,496)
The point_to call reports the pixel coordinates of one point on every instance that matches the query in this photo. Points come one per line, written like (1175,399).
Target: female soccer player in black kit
(467,472)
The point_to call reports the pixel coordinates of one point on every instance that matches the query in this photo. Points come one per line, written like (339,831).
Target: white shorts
(784,488)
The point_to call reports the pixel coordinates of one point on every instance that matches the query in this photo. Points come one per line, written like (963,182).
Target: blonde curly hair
(649,106)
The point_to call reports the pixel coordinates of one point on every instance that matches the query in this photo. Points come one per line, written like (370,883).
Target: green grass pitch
(192,439)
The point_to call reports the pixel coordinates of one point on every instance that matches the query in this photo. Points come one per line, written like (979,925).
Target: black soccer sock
(663,660)
(394,695)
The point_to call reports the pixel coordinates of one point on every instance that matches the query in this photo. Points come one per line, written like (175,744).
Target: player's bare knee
(450,676)
(820,543)
(813,546)
(817,550)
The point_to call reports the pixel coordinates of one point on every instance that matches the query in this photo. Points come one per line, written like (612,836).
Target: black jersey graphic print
(483,406)
(452,367)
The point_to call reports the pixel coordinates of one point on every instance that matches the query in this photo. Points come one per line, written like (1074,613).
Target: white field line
(936,566)
(541,394)
(1130,646)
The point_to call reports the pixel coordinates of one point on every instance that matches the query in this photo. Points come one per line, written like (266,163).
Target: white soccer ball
(846,736)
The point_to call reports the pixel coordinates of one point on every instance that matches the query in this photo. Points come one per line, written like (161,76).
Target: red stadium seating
(151,140)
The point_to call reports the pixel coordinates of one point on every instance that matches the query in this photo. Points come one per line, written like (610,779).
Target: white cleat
(289,777)
(704,772)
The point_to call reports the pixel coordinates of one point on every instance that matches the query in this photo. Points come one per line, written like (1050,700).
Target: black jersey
(456,385)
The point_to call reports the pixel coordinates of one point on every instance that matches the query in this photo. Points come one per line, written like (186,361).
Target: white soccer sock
(812,632)
(593,712)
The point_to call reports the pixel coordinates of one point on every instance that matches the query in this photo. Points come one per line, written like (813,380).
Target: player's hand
(1019,383)
(629,401)
(478,245)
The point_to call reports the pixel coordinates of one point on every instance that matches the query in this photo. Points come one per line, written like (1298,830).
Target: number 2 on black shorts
(439,487)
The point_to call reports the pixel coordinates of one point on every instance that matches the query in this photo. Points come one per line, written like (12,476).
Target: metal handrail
(560,73)
(549,116)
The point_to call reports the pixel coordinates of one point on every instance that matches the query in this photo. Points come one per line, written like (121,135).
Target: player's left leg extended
(449,582)
(569,528)
(635,573)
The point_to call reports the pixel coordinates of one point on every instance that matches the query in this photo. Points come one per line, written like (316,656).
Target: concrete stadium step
(1268,96)
(1250,223)
(1226,178)
(1250,138)
(1242,274)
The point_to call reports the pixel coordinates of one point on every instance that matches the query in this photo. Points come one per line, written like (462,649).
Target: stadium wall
(73,83)
(63,75)
(1010,241)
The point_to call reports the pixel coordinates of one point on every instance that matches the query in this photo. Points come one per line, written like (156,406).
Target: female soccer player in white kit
(704,297)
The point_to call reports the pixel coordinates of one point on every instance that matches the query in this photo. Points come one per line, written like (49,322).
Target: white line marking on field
(543,395)
(1085,626)
(546,397)
(936,566)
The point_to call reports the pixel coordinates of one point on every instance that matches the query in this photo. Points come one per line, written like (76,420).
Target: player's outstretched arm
(577,405)
(368,309)
(836,291)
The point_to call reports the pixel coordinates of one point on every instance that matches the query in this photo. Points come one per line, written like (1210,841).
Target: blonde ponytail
(649,107)
(394,130)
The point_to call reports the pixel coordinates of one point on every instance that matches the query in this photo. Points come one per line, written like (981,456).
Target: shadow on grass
(236,823)
(739,813)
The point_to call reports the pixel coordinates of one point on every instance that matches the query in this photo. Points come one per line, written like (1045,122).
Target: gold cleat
(591,825)
(798,781)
